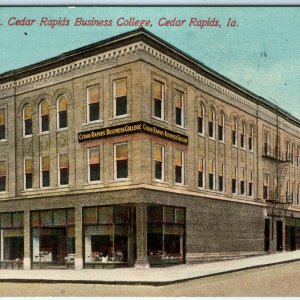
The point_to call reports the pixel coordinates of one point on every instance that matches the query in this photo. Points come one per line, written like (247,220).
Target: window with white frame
(266,184)
(243,136)
(28,173)
(211,123)
(159,99)
(121,161)
(201,174)
(234,180)
(63,169)
(120,97)
(243,182)
(93,103)
(221,126)
(159,157)
(201,119)
(251,135)
(234,132)
(2,176)
(179,166)
(211,175)
(62,112)
(179,107)
(2,124)
(44,116)
(27,120)
(93,164)
(266,143)
(45,171)
(221,177)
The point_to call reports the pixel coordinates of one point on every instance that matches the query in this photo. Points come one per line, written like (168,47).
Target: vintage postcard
(149,151)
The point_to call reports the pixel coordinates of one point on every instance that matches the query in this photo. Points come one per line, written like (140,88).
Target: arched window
(243,136)
(234,132)
(27,120)
(293,155)
(62,112)
(201,177)
(221,177)
(287,150)
(251,136)
(243,182)
(221,127)
(250,185)
(234,180)
(201,115)
(211,123)
(211,175)
(44,116)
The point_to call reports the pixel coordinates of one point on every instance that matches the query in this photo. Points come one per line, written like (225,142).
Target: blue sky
(262,53)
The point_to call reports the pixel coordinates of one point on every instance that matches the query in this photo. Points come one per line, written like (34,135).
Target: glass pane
(120,88)
(158,170)
(201,164)
(121,215)
(178,98)
(45,178)
(154,214)
(94,156)
(18,219)
(158,108)
(158,90)
(2,169)
(28,165)
(179,215)
(105,215)
(178,158)
(28,180)
(93,94)
(121,106)
(2,183)
(63,119)
(59,217)
(121,152)
(2,116)
(71,216)
(71,231)
(178,116)
(6,220)
(158,152)
(45,163)
(45,123)
(90,215)
(62,103)
(63,161)
(44,108)
(169,214)
(122,169)
(64,176)
(94,111)
(46,218)
(35,218)
(27,112)
(95,172)
(28,126)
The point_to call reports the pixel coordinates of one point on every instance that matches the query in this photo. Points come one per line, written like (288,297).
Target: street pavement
(152,276)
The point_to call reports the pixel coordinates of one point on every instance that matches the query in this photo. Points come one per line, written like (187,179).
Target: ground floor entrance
(292,234)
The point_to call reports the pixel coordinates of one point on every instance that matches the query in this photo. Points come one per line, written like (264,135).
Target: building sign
(131,128)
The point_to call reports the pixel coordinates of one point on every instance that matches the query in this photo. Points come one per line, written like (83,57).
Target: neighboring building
(130,152)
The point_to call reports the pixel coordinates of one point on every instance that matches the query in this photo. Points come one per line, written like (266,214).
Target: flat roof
(136,35)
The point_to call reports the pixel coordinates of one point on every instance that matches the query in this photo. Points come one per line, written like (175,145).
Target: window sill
(3,141)
(62,129)
(180,127)
(211,138)
(222,142)
(44,133)
(27,136)
(121,180)
(160,181)
(119,117)
(201,134)
(97,122)
(160,120)
(92,183)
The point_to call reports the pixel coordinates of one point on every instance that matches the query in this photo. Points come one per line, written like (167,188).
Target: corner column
(78,239)
(27,252)
(141,236)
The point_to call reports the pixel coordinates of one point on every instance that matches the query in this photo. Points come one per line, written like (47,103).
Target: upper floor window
(2,176)
(243,136)
(121,161)
(120,97)
(266,143)
(250,185)
(298,194)
(221,127)
(234,132)
(266,186)
(27,120)
(243,182)
(28,174)
(62,112)
(287,150)
(63,169)
(293,155)
(179,166)
(234,180)
(287,191)
(94,164)
(221,177)
(179,107)
(211,175)
(211,123)
(45,171)
(93,103)
(44,116)
(2,124)
(159,99)
(298,156)
(201,119)
(251,135)
(201,177)
(159,161)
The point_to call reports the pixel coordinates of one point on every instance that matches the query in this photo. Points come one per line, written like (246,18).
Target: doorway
(279,246)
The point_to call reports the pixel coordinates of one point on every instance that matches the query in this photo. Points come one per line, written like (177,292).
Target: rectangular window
(242,140)
(201,173)
(266,186)
(250,143)
(120,97)
(94,164)
(121,161)
(2,124)
(234,138)
(44,116)
(45,171)
(250,189)
(63,169)
(93,99)
(179,108)
(221,177)
(211,175)
(242,183)
(179,166)
(27,120)
(200,125)
(234,181)
(159,100)
(159,161)
(220,132)
(211,129)
(28,166)
(2,176)
(62,112)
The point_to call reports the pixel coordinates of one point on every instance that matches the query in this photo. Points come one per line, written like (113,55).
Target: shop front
(12,240)
(53,238)
(292,234)
(109,236)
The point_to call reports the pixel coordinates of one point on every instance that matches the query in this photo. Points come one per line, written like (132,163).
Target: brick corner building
(128,152)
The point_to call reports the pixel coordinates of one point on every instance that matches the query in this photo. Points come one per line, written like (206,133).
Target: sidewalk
(152,276)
